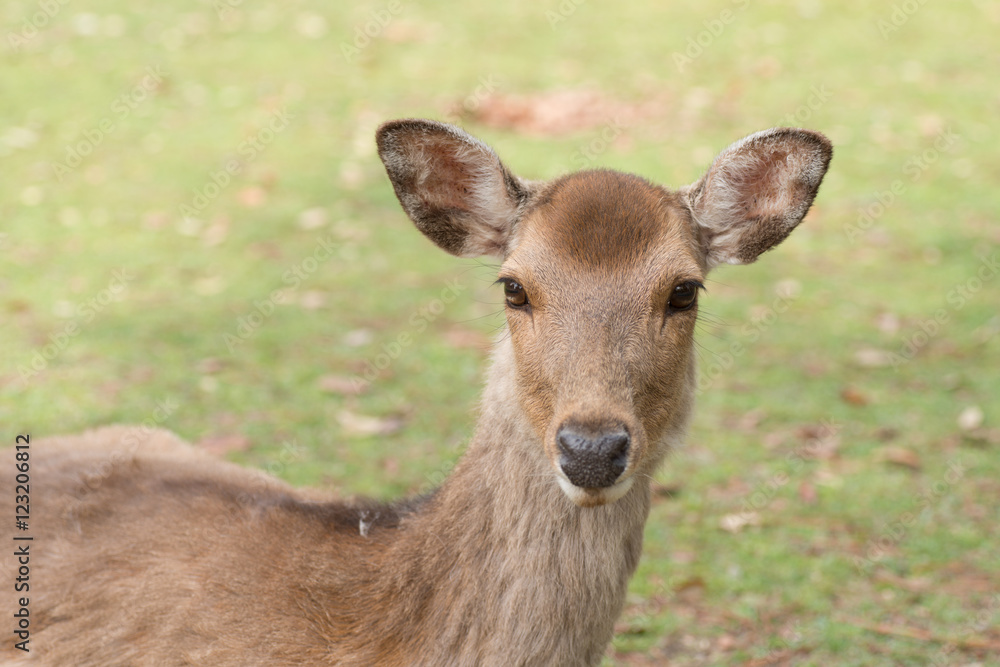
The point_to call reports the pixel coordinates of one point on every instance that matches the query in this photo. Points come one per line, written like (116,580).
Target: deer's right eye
(515,294)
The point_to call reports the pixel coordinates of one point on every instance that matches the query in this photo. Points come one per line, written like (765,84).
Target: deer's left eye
(515,294)
(683,297)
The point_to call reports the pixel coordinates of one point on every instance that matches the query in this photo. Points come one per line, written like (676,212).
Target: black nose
(592,460)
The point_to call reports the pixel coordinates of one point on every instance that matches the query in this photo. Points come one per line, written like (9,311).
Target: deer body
(149,552)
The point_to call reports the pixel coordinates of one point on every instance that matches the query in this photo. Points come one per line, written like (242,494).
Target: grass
(832,429)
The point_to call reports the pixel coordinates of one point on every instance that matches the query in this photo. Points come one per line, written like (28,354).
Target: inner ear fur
(756,192)
(452,186)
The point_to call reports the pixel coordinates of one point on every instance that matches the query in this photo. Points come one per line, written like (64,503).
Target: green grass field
(196,231)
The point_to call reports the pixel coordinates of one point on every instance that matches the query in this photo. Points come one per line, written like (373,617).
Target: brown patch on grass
(560,112)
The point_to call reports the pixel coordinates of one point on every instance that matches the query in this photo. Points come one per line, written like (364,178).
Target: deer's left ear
(756,192)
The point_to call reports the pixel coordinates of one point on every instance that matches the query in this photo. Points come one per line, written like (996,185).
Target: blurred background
(196,233)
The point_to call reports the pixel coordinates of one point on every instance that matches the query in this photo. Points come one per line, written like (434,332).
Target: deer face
(601,275)
(601,290)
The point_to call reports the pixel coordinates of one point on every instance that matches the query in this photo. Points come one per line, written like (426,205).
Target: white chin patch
(594,497)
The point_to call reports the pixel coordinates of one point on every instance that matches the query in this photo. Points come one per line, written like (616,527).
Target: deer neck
(508,565)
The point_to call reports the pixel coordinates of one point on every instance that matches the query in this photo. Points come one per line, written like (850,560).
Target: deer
(147,551)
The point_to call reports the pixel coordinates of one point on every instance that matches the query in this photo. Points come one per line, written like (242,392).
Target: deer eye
(683,297)
(514,292)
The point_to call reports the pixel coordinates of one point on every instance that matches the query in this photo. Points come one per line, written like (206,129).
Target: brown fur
(148,552)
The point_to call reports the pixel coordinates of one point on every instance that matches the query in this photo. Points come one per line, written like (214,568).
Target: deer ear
(756,192)
(453,186)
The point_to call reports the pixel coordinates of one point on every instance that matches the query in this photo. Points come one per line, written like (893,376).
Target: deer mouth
(584,497)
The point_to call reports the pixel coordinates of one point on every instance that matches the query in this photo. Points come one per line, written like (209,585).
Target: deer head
(602,272)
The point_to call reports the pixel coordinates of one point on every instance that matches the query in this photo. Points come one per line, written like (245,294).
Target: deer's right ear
(453,186)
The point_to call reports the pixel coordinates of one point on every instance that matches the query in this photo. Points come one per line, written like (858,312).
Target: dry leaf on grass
(358,337)
(313,218)
(252,197)
(560,112)
(690,583)
(216,233)
(912,584)
(888,323)
(209,366)
(870,357)
(390,465)
(971,418)
(821,442)
(355,424)
(312,300)
(749,421)
(901,456)
(985,435)
(403,31)
(886,433)
(734,523)
(342,384)
(807,493)
(853,396)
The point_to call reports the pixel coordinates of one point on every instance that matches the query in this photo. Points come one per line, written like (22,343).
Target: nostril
(617,448)
(569,441)
(593,461)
